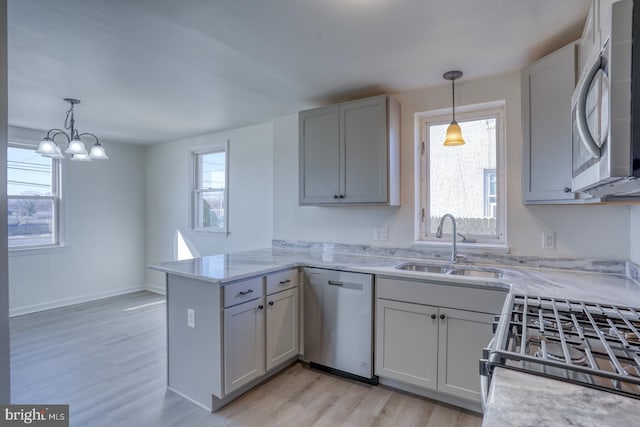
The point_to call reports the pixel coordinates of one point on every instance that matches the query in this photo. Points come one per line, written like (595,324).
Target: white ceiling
(155,70)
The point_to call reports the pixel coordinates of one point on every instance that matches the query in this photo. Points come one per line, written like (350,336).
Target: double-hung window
(33,198)
(210,200)
(466,181)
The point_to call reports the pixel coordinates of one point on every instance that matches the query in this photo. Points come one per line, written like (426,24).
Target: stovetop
(596,345)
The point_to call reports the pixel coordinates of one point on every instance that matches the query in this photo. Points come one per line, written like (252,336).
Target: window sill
(35,250)
(479,246)
(212,233)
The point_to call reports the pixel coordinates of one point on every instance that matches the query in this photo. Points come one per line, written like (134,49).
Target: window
(33,198)
(210,202)
(466,181)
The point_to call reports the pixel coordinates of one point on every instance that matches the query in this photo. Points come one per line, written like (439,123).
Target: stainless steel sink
(424,268)
(450,270)
(494,274)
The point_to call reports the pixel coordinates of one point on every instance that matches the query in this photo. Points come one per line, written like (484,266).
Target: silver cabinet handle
(247,292)
(284,282)
(334,283)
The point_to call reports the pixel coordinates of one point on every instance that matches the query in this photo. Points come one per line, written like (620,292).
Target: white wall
(634,234)
(103,216)
(5,389)
(250,196)
(581,231)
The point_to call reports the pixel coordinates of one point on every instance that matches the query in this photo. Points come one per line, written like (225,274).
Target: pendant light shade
(47,147)
(81,157)
(454,133)
(76,146)
(97,152)
(55,155)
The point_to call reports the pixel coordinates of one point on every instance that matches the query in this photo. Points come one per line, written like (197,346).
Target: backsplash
(422,253)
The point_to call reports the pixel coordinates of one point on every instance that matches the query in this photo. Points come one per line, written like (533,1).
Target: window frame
(56,198)
(196,190)
(495,109)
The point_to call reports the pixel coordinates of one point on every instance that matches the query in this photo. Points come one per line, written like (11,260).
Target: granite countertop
(519,399)
(557,283)
(515,398)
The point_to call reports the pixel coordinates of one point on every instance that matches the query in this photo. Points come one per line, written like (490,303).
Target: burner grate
(588,343)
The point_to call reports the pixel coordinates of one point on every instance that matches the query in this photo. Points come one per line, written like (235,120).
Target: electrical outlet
(381,234)
(548,240)
(191,318)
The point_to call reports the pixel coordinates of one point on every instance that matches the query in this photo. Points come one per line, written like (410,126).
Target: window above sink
(467,181)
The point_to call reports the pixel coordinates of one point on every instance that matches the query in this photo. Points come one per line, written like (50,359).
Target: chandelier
(75,147)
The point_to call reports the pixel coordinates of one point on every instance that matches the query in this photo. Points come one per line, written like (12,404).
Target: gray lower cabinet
(407,342)
(461,337)
(547,86)
(244,350)
(431,335)
(431,347)
(282,314)
(221,340)
(349,153)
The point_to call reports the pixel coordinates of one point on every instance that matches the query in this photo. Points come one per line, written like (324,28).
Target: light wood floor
(107,360)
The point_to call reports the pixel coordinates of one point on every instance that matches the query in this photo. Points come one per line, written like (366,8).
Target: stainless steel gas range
(595,345)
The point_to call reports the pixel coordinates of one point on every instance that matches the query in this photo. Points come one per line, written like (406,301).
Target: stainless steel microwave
(606,111)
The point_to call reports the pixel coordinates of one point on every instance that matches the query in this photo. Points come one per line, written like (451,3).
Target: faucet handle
(466,239)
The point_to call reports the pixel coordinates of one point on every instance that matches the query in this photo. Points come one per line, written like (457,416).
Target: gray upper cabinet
(349,153)
(319,155)
(547,86)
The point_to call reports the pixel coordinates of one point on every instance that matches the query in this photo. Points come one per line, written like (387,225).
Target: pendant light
(454,133)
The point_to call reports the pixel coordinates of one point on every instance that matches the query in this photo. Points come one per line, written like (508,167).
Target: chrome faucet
(454,250)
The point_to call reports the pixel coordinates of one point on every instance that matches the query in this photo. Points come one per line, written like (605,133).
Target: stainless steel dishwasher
(338,322)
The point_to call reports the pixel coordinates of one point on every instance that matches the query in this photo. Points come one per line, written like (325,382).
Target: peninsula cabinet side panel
(194,353)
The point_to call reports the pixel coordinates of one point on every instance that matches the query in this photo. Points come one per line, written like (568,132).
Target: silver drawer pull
(247,292)
(284,282)
(334,283)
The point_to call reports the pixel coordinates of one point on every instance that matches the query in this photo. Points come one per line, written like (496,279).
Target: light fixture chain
(453,98)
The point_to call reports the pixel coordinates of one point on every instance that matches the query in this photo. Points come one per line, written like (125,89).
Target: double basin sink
(450,269)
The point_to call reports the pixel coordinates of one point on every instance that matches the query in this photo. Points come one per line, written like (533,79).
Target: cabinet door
(364,151)
(243,344)
(407,342)
(462,336)
(282,327)
(319,156)
(547,88)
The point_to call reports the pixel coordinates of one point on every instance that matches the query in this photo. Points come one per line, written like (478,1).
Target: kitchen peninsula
(605,283)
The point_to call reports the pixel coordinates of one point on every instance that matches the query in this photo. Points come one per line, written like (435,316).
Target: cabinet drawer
(245,290)
(282,280)
(452,296)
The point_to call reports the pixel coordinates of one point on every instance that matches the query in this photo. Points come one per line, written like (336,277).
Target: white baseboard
(155,288)
(18,311)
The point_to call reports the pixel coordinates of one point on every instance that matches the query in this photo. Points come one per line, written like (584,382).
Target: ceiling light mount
(454,133)
(75,146)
